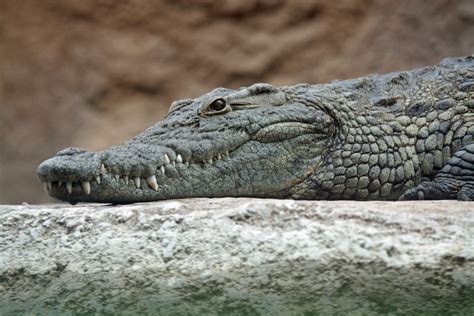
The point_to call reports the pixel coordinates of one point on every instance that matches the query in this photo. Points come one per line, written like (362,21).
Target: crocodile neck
(395,130)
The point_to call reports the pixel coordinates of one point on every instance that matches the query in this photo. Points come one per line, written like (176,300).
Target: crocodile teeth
(167,159)
(50,185)
(187,163)
(69,187)
(125,178)
(137,181)
(219,157)
(97,179)
(210,161)
(117,177)
(179,159)
(152,182)
(162,168)
(60,184)
(86,186)
(102,169)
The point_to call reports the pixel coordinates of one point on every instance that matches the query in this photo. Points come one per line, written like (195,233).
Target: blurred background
(93,73)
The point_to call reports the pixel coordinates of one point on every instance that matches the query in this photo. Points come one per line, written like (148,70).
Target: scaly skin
(404,135)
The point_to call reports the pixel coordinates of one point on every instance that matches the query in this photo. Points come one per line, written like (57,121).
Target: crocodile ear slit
(261,88)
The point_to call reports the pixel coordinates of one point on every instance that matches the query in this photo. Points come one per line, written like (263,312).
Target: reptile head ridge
(255,141)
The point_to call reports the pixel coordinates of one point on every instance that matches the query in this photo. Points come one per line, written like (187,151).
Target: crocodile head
(258,141)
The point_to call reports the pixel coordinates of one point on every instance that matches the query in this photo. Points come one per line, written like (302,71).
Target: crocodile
(400,136)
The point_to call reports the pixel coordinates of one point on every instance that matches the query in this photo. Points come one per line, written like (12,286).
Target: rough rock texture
(239,256)
(93,73)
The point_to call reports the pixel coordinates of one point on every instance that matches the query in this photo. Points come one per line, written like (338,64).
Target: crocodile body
(403,135)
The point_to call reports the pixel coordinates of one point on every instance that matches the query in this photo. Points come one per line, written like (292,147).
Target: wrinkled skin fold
(405,135)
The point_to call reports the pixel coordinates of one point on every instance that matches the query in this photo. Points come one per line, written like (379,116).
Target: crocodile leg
(454,181)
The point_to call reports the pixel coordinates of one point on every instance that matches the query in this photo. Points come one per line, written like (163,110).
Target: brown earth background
(93,73)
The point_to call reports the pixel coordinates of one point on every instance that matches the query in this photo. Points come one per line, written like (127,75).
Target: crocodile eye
(217,105)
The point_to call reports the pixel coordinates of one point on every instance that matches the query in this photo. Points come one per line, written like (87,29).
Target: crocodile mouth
(137,172)
(60,181)
(105,175)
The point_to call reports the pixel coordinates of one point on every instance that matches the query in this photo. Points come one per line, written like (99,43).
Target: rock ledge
(238,256)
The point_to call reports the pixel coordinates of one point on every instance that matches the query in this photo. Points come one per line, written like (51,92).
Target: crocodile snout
(70,167)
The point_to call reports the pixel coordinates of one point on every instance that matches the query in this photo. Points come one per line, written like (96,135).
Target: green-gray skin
(405,135)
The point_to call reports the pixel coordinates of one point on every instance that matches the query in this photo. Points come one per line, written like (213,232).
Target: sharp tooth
(210,161)
(219,157)
(152,182)
(97,179)
(125,178)
(45,187)
(179,159)
(137,181)
(186,163)
(86,186)
(60,184)
(50,185)
(162,168)
(117,177)
(167,159)
(69,187)
(102,169)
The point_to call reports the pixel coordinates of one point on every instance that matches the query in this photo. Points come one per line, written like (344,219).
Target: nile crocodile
(403,135)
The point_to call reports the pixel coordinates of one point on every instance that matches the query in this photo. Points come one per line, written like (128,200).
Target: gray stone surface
(238,256)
